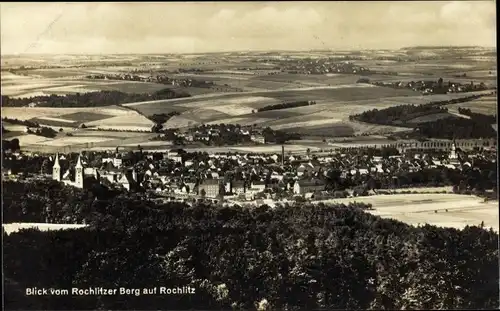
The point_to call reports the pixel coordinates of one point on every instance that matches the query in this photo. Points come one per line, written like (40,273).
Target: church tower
(134,175)
(79,173)
(56,169)
(453,153)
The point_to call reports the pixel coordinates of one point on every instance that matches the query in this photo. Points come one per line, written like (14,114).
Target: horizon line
(257,51)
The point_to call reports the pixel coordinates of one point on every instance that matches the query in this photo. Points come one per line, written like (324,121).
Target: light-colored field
(68,81)
(233,110)
(68,141)
(15,227)
(241,121)
(110,134)
(431,209)
(13,127)
(130,121)
(29,139)
(56,119)
(179,122)
(27,113)
(150,144)
(306,124)
(484,105)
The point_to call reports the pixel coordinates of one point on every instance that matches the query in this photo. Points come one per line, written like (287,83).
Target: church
(85,176)
(80,174)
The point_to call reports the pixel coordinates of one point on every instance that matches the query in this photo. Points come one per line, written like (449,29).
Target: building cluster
(443,145)
(321,66)
(159,78)
(435,87)
(224,133)
(247,176)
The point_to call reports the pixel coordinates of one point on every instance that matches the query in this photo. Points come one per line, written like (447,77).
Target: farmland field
(109,117)
(484,105)
(245,82)
(420,209)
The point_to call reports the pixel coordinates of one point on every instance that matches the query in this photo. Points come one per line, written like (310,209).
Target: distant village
(430,87)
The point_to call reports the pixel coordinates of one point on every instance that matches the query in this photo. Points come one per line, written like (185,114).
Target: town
(238,177)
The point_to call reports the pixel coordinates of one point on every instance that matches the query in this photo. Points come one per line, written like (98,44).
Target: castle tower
(56,169)
(79,173)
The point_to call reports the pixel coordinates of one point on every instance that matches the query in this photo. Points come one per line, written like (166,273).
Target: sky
(197,27)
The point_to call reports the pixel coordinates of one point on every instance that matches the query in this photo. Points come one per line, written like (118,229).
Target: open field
(15,227)
(108,117)
(241,90)
(484,105)
(421,209)
(334,105)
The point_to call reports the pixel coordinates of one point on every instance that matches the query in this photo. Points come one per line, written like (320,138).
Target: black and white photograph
(250,155)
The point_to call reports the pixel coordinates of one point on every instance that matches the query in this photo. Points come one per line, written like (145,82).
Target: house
(304,186)
(117,161)
(258,186)
(210,187)
(238,187)
(258,139)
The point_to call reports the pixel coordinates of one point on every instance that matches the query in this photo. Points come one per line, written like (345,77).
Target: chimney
(282,155)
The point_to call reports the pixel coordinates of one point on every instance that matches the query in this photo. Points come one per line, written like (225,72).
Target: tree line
(490,119)
(446,128)
(91,99)
(291,258)
(286,105)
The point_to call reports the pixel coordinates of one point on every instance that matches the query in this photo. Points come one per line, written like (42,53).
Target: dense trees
(290,258)
(91,99)
(12,145)
(478,126)
(453,128)
(398,115)
(478,116)
(26,123)
(278,136)
(287,105)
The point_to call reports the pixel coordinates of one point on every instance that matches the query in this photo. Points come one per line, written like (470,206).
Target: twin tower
(57,174)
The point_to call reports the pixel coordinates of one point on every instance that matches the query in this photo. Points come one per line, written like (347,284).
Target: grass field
(484,105)
(431,209)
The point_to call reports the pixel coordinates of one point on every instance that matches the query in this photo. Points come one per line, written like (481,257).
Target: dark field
(82,117)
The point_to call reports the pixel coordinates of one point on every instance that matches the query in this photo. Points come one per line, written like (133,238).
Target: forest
(293,257)
(91,99)
(399,115)
(478,116)
(455,128)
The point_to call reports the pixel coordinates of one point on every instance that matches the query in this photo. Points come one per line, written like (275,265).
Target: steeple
(79,162)
(79,173)
(56,169)
(56,162)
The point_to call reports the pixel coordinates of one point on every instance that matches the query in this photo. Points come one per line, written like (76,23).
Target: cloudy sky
(238,26)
